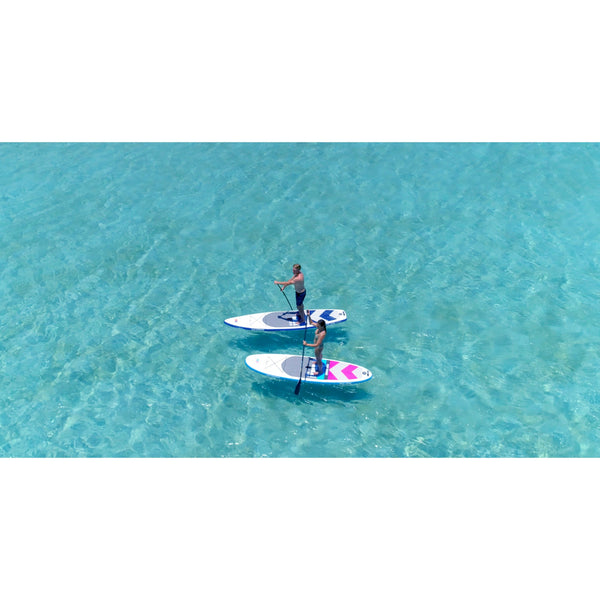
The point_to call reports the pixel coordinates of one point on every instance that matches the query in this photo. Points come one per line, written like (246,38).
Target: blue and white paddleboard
(289,366)
(284,320)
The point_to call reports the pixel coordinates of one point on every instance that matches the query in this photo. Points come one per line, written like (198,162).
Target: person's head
(322,325)
(296,268)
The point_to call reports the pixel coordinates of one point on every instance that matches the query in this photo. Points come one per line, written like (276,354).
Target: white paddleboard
(284,320)
(288,366)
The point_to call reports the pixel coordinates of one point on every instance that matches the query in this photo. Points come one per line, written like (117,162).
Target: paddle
(297,390)
(285,297)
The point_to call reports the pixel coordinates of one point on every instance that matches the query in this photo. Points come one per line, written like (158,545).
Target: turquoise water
(468,272)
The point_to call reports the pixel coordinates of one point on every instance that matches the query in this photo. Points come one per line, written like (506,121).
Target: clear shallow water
(468,271)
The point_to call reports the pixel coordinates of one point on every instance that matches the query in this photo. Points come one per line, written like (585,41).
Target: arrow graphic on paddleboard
(338,371)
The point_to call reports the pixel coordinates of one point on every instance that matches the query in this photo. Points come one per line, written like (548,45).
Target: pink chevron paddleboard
(289,366)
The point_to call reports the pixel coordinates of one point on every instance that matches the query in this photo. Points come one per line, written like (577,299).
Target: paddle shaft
(285,297)
(297,390)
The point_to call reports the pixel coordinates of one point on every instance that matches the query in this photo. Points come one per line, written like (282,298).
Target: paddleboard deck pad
(285,320)
(288,366)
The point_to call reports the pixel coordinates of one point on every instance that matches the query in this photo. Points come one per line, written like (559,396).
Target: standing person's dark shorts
(300,298)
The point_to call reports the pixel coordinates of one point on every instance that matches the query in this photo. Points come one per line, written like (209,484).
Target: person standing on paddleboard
(298,281)
(320,334)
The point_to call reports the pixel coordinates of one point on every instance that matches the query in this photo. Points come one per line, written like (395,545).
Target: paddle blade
(297,390)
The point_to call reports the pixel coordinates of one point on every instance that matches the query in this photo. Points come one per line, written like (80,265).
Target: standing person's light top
(297,281)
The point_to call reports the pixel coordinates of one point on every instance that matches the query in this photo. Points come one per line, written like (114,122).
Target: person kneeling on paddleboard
(320,334)
(298,281)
